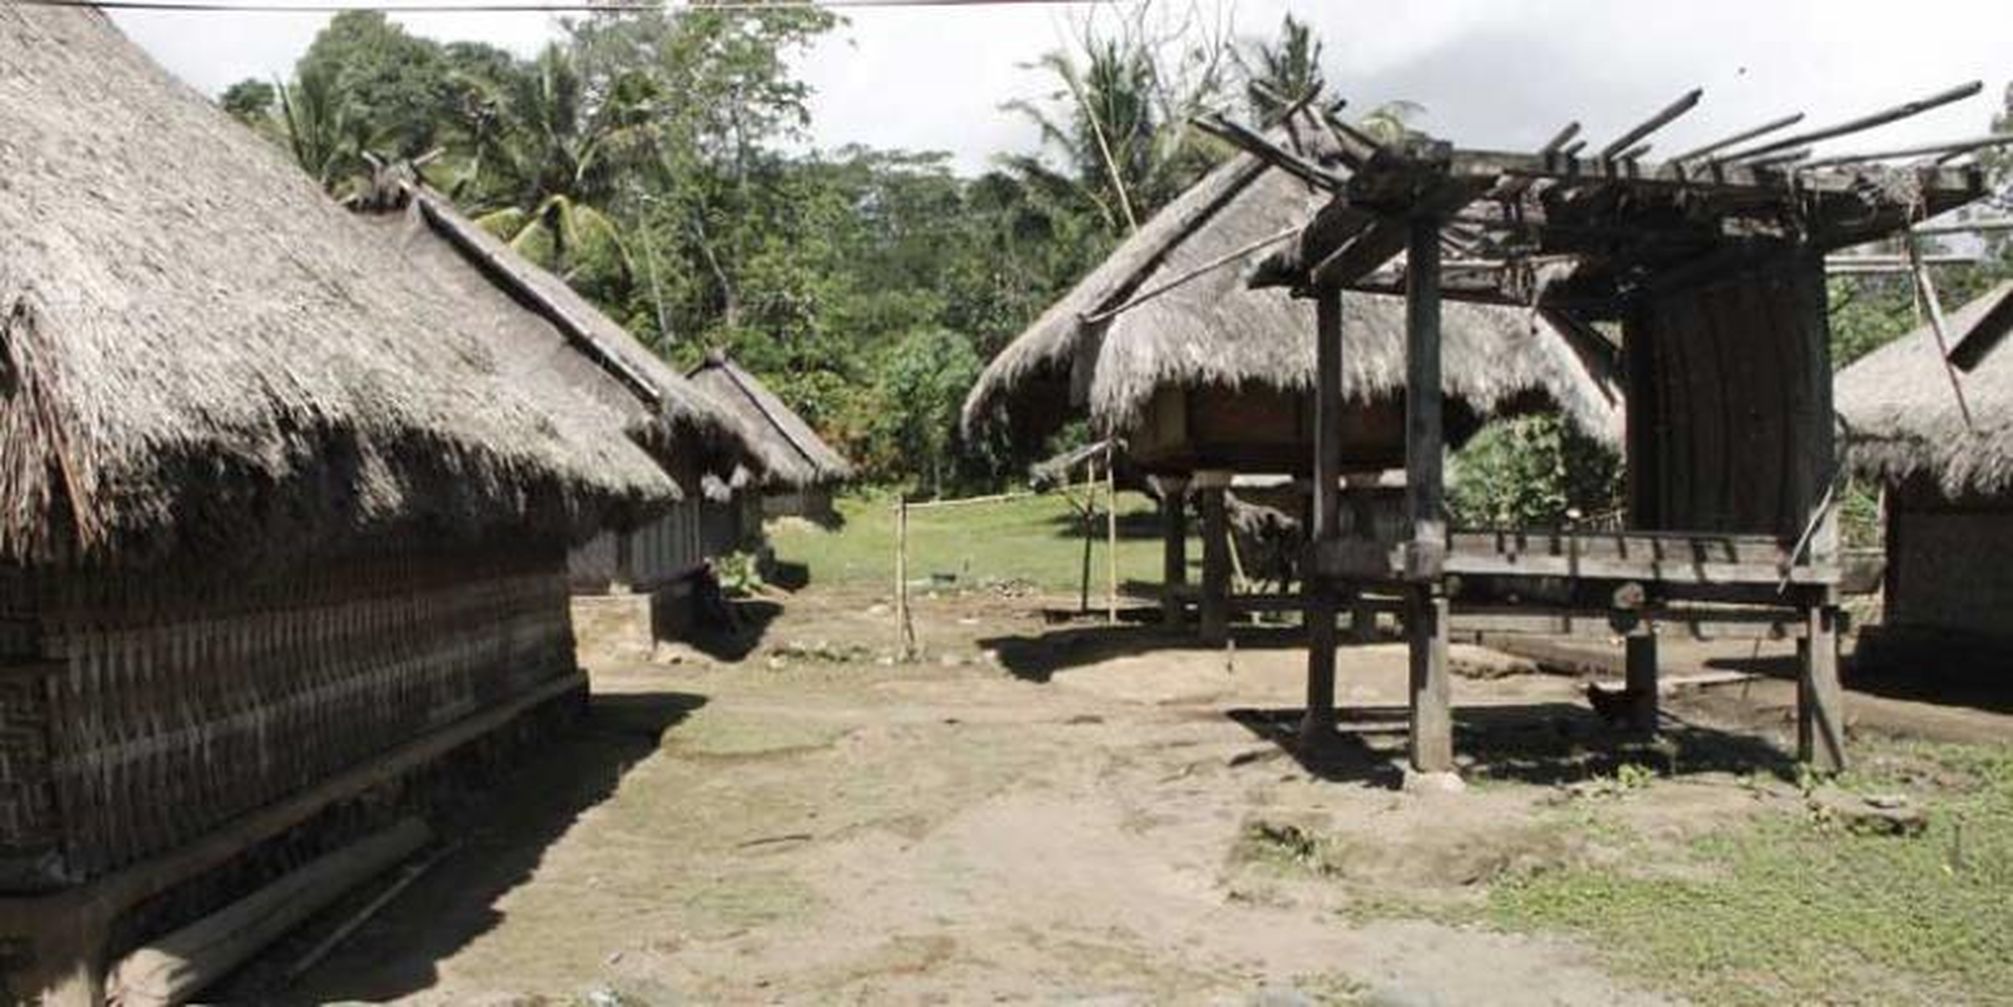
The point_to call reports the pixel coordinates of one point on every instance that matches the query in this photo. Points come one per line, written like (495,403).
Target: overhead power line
(531,7)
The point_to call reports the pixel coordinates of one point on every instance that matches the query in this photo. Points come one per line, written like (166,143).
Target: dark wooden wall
(1729,410)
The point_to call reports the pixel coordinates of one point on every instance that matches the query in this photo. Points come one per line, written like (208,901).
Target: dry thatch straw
(790,452)
(548,336)
(1214,330)
(1902,418)
(200,353)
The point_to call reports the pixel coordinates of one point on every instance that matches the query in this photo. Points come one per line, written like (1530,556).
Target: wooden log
(1820,715)
(1319,719)
(1662,118)
(905,628)
(1949,147)
(1215,620)
(1432,717)
(1741,137)
(174,968)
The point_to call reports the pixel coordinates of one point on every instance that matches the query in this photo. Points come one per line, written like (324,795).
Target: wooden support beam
(1425,433)
(1319,719)
(1656,122)
(1820,717)
(1741,137)
(1174,549)
(1880,118)
(1642,682)
(1432,715)
(1215,616)
(1947,148)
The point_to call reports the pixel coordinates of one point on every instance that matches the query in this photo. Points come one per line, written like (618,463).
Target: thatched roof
(1214,330)
(545,334)
(200,351)
(1902,419)
(790,451)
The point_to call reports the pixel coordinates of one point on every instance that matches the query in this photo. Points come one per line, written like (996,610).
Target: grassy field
(1035,540)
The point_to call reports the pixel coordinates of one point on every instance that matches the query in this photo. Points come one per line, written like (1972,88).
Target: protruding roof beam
(1653,123)
(1880,118)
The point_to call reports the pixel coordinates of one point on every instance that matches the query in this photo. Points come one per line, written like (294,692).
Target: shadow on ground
(1038,657)
(1990,692)
(721,640)
(1544,744)
(504,833)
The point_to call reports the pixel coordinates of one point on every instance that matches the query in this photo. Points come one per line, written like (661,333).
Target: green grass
(1794,910)
(1032,540)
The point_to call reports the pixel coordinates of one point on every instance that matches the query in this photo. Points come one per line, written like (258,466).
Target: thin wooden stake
(905,629)
(1089,531)
(1741,137)
(1110,537)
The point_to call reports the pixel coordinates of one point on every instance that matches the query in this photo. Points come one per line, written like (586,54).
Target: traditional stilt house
(799,470)
(632,587)
(1713,264)
(1205,379)
(1935,430)
(278,527)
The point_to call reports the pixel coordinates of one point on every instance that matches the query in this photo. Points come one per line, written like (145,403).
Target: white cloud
(1490,72)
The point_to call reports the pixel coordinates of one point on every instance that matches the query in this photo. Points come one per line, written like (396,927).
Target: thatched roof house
(1212,331)
(199,350)
(791,453)
(281,524)
(545,333)
(1948,488)
(1903,420)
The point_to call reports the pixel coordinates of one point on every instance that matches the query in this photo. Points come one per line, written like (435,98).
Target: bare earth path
(1018,818)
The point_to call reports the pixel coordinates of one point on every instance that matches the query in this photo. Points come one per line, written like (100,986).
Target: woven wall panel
(173,707)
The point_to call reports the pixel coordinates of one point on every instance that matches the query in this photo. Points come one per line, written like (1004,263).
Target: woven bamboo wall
(1730,402)
(164,706)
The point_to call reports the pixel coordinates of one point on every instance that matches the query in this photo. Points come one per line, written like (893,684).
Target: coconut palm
(547,157)
(1277,74)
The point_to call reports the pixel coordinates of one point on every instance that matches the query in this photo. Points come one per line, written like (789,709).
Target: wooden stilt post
(1110,537)
(1322,603)
(1642,683)
(1174,547)
(1426,602)
(1215,627)
(1820,715)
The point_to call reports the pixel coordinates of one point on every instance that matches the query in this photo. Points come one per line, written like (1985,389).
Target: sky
(1489,73)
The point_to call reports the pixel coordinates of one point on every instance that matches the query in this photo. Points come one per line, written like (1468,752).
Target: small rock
(1433,783)
(885,660)
(1281,997)
(1883,815)
(878,608)
(777,663)
(990,656)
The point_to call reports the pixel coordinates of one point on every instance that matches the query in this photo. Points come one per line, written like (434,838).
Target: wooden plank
(1692,623)
(1942,187)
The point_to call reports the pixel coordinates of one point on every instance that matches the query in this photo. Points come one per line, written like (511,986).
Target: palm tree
(325,139)
(547,158)
(1278,74)
(1122,135)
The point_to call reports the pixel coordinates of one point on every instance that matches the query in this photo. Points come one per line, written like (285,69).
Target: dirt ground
(1030,813)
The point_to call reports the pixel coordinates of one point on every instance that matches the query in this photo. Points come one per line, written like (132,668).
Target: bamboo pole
(1110,537)
(905,630)
(1089,532)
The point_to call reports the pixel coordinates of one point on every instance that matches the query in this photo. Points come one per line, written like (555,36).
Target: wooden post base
(1215,617)
(1820,706)
(1426,626)
(1318,722)
(1642,684)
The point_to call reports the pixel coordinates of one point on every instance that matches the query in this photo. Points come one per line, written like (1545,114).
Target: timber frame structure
(1712,264)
